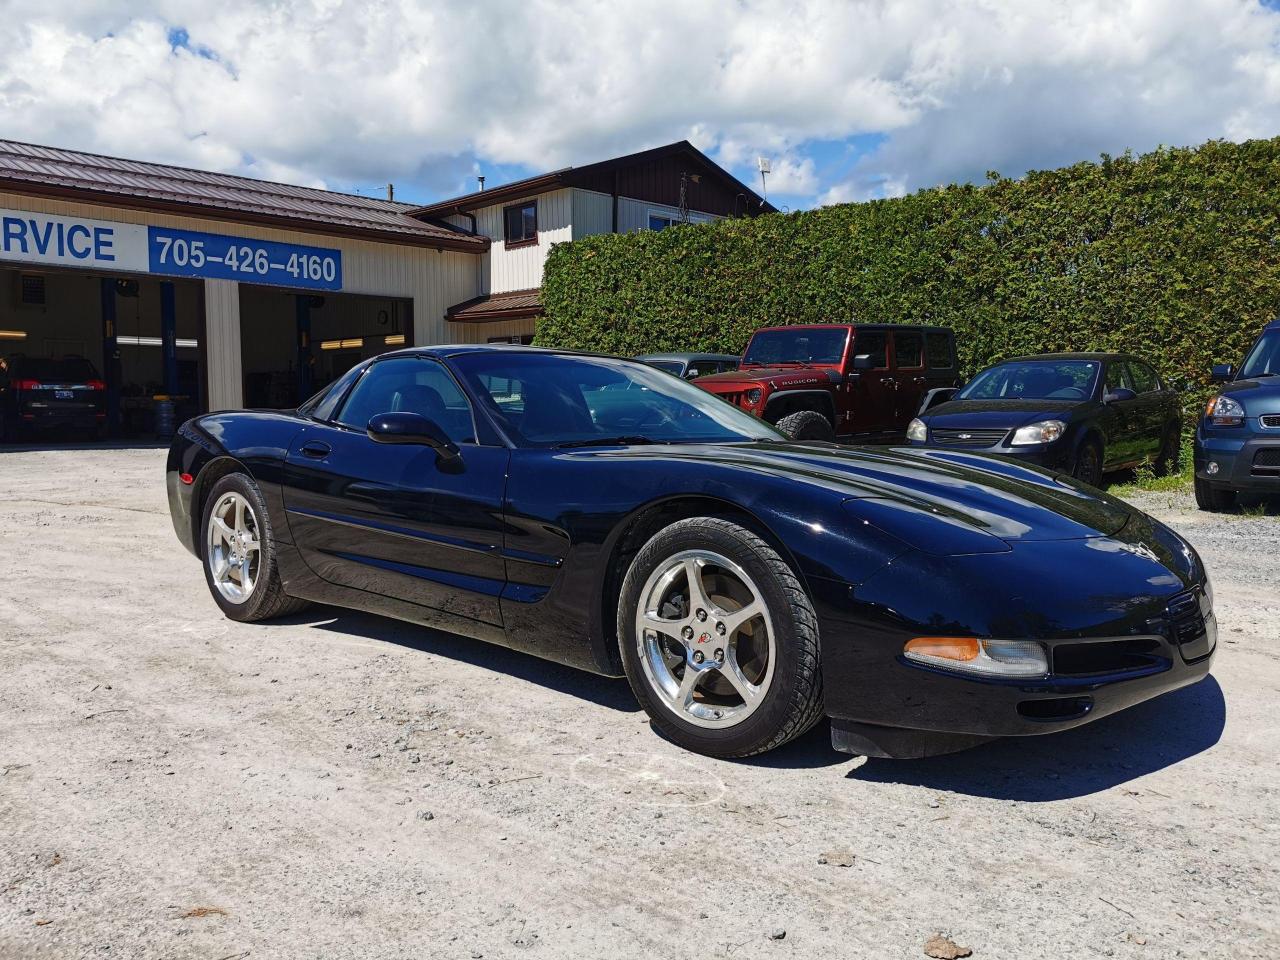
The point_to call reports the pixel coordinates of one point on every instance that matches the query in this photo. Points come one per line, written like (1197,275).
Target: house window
(520,223)
(660,220)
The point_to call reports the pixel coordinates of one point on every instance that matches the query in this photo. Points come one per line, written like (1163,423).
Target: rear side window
(1118,376)
(871,343)
(938,350)
(908,349)
(410,385)
(324,404)
(1144,378)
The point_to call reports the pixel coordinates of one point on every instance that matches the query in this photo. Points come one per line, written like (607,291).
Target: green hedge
(1174,255)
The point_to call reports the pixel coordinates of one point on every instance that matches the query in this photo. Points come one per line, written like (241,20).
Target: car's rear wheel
(719,640)
(1088,465)
(1169,460)
(806,425)
(1213,499)
(239,553)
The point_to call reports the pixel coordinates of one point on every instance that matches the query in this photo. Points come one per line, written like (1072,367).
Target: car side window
(871,342)
(939,350)
(1118,376)
(1144,378)
(410,385)
(327,404)
(908,349)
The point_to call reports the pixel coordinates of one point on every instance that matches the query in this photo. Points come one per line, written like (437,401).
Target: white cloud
(343,92)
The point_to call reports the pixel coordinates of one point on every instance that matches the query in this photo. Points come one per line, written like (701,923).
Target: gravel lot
(175,785)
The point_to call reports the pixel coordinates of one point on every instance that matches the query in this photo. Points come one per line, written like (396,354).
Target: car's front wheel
(1213,499)
(240,553)
(806,425)
(719,640)
(1088,465)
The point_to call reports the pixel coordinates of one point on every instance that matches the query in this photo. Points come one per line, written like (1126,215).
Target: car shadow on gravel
(1074,763)
(605,691)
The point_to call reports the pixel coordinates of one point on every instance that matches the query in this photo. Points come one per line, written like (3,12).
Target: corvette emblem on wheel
(704,638)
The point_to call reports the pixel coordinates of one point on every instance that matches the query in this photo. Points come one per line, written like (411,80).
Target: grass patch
(1146,480)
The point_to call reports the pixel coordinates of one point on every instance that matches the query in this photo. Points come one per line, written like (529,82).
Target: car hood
(735,380)
(1258,397)
(973,496)
(990,414)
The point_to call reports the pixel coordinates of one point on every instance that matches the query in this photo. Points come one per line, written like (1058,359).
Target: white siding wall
(592,213)
(433,280)
(633,215)
(521,268)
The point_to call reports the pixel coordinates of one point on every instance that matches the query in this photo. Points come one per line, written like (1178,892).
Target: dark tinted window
(521,222)
(803,345)
(544,400)
(1034,380)
(1118,376)
(908,348)
(68,370)
(323,405)
(671,366)
(938,350)
(410,385)
(871,343)
(1144,378)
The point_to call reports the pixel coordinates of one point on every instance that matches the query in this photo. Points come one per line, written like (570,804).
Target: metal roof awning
(491,307)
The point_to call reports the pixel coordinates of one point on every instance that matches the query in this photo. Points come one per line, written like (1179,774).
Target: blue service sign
(188,253)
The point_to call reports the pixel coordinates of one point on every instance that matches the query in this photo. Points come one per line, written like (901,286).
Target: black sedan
(745,584)
(1083,413)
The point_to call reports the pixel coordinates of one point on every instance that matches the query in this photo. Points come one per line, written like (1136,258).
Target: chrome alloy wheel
(234,547)
(705,638)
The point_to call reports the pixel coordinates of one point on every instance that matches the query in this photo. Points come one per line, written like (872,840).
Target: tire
(1088,465)
(261,596)
(1214,499)
(806,425)
(1169,460)
(773,653)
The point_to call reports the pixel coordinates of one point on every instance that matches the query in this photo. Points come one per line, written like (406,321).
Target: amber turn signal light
(963,649)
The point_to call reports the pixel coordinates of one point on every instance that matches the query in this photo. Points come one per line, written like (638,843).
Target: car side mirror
(1119,394)
(863,361)
(1222,372)
(936,396)
(412,428)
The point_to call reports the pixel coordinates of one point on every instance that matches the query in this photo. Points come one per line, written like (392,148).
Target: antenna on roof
(762,164)
(481,179)
(391,191)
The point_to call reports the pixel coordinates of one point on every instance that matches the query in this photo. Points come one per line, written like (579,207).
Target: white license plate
(64,395)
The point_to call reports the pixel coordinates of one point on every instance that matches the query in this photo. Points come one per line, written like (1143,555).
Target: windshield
(802,345)
(547,400)
(671,366)
(1034,380)
(1264,358)
(68,370)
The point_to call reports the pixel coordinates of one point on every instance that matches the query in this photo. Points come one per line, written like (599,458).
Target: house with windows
(223,291)
(650,190)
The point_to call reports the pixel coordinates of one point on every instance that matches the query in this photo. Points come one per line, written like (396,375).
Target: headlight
(1225,412)
(989,658)
(753,396)
(1046,431)
(917,431)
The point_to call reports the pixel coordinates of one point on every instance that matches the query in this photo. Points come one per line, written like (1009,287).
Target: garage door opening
(294,344)
(101,352)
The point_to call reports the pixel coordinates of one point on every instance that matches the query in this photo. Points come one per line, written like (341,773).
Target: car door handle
(889,382)
(919,379)
(315,449)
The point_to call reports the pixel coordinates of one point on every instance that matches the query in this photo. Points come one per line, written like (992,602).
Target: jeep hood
(740,379)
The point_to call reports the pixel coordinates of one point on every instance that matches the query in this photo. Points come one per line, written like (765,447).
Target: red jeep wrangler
(827,380)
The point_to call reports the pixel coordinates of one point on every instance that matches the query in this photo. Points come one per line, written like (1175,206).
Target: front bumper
(1237,454)
(1057,455)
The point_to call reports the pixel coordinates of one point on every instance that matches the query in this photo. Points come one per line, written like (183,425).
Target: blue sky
(849,99)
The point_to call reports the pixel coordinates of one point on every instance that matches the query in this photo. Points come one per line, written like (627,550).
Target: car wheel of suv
(1213,499)
(806,425)
(239,552)
(1088,466)
(719,640)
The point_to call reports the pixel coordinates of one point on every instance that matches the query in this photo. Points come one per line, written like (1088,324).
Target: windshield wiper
(633,440)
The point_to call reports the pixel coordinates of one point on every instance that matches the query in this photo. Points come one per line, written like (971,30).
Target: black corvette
(1085,413)
(601,513)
